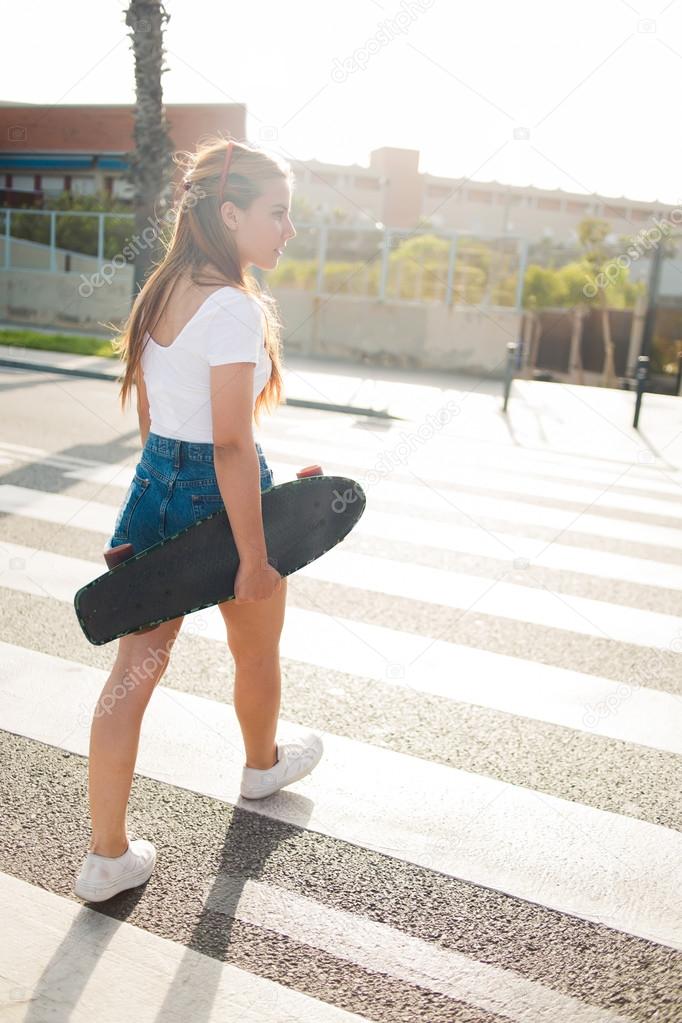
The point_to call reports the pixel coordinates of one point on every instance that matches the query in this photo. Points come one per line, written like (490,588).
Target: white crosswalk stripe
(512,684)
(481,458)
(33,571)
(99,517)
(453,475)
(438,817)
(364,941)
(138,965)
(619,873)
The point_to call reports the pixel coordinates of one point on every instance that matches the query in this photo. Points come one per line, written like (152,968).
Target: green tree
(592,233)
(419,265)
(541,290)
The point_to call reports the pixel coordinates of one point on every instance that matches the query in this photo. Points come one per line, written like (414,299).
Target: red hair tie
(226,167)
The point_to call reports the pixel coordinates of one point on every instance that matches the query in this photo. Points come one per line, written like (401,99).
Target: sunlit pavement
(492,658)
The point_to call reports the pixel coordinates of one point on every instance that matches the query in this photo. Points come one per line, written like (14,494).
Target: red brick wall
(109,129)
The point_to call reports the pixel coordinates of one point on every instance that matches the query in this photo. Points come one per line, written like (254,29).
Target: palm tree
(150,162)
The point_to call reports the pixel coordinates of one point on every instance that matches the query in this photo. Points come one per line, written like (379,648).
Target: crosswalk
(495,830)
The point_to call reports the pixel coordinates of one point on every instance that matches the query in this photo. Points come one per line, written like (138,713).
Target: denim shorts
(174,486)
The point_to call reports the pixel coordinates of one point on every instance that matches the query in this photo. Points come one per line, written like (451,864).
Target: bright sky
(596,84)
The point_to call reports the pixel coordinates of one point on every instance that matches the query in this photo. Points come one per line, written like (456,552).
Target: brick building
(83,149)
(44,149)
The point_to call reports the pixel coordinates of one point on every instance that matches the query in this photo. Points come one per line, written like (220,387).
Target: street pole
(644,360)
(512,349)
(652,296)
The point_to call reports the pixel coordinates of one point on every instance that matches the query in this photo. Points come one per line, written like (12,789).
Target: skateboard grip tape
(116,556)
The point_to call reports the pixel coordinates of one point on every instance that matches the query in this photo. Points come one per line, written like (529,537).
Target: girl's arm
(142,406)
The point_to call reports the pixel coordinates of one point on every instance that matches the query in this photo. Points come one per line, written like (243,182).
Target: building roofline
(439,179)
(110,106)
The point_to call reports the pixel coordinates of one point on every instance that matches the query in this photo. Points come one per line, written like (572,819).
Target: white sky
(596,82)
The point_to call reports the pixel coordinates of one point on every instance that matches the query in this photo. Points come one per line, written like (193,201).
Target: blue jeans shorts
(174,486)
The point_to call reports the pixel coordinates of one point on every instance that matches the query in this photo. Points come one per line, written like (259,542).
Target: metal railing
(455,268)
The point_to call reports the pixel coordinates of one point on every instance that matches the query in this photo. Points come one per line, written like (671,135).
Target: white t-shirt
(229,326)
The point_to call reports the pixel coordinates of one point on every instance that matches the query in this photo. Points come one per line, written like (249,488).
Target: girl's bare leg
(115,732)
(253,633)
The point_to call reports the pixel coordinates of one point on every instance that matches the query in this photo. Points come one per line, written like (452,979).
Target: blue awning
(56,162)
(112,163)
(39,162)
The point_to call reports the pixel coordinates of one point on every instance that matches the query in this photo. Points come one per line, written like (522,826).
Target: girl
(201,345)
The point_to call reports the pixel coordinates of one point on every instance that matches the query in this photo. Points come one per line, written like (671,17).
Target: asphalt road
(493,660)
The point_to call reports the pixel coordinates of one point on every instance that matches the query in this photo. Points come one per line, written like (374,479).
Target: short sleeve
(234,329)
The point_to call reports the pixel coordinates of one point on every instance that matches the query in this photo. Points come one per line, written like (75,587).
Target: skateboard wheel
(310,470)
(116,555)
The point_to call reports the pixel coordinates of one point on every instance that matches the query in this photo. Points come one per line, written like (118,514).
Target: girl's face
(262,231)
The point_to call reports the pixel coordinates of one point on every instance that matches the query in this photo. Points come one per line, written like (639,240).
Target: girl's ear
(228,212)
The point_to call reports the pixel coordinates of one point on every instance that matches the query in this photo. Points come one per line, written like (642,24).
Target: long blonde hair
(198,236)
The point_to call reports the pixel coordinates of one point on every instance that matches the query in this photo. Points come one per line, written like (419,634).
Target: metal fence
(60,240)
(452,268)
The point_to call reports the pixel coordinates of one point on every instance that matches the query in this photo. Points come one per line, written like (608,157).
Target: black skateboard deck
(196,568)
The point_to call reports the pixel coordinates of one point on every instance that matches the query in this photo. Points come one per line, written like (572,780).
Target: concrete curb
(93,374)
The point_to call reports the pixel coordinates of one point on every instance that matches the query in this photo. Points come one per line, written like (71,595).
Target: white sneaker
(296,758)
(103,876)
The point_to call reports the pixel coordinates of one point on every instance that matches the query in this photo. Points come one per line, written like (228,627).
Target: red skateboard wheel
(310,470)
(117,555)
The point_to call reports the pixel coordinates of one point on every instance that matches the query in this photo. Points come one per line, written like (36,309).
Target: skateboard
(197,567)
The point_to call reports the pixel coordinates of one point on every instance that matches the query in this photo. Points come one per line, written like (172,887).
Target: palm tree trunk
(150,162)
